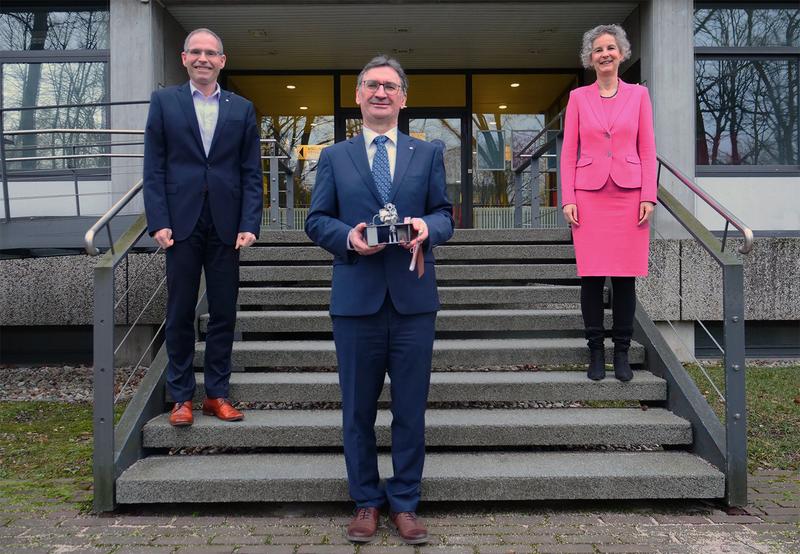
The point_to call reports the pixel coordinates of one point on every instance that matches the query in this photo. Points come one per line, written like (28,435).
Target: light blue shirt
(391,146)
(206,108)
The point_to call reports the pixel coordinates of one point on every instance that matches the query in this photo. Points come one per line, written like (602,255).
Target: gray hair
(592,34)
(382,60)
(202,30)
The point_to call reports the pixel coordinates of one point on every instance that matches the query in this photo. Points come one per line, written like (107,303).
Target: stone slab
(451,386)
(476,353)
(531,295)
(462,427)
(318,321)
(448,476)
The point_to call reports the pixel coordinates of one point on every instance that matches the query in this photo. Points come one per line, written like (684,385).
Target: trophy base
(396,233)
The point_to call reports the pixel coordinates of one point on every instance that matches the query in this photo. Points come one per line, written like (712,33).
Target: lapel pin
(227,99)
(411,148)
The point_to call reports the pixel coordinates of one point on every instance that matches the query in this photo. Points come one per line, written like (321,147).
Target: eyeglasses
(389,88)
(196,52)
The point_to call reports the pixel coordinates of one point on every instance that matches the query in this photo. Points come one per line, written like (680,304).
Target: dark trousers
(202,250)
(366,347)
(623,305)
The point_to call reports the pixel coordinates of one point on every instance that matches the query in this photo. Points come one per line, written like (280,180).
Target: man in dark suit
(203,195)
(383,313)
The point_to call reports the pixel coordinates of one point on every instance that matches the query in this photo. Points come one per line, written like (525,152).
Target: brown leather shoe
(222,408)
(410,529)
(181,415)
(364,525)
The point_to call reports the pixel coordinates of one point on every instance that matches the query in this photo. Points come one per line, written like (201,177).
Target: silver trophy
(388,231)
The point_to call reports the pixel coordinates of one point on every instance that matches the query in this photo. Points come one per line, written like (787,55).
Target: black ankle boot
(622,369)
(597,364)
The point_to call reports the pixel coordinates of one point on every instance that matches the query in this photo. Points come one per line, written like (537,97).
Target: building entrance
(477,118)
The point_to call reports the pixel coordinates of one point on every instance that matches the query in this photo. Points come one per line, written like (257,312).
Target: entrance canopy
(292,35)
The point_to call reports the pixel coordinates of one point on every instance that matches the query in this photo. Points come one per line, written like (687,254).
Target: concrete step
(444,273)
(475,353)
(287,321)
(536,427)
(445,252)
(448,476)
(451,386)
(460,236)
(449,296)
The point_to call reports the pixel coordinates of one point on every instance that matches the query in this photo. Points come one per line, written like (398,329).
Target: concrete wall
(668,71)
(762,203)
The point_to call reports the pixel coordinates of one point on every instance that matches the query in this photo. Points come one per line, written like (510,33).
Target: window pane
(748,112)
(40,29)
(50,84)
(747,27)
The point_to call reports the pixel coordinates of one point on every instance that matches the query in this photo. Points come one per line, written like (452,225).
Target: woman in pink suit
(608,191)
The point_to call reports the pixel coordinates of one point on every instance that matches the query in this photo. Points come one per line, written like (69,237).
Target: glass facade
(747,68)
(71,69)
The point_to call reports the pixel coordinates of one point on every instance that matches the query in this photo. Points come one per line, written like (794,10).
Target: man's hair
(202,30)
(382,60)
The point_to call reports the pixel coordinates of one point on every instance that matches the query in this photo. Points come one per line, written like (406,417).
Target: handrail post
(517,199)
(560,221)
(274,192)
(71,165)
(735,378)
(4,168)
(103,411)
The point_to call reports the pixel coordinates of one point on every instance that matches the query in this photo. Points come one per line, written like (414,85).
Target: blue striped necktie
(380,168)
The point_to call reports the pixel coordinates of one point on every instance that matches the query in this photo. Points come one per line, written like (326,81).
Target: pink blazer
(623,146)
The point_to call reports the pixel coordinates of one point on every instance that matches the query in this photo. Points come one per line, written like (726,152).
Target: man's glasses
(390,88)
(196,53)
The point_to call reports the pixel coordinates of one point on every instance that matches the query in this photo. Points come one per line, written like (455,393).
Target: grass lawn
(773,412)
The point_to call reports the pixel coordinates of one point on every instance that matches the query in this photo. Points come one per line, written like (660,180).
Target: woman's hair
(591,35)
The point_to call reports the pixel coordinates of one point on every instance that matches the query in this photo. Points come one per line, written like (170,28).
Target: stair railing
(725,446)
(118,445)
(546,145)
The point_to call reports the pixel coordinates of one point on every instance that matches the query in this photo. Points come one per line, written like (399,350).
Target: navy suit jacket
(177,171)
(345,195)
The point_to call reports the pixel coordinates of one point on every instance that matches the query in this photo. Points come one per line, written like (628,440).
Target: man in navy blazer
(203,195)
(383,314)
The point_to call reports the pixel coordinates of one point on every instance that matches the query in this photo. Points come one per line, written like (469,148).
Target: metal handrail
(560,118)
(713,203)
(105,220)
(77,131)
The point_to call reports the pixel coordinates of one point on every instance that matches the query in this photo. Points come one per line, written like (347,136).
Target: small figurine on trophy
(388,231)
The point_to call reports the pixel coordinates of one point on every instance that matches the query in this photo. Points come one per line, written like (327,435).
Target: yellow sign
(309,151)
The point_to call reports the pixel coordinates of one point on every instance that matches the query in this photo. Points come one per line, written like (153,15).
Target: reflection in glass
(301,138)
(51,84)
(747,26)
(747,112)
(493,190)
(41,29)
(445,133)
(491,151)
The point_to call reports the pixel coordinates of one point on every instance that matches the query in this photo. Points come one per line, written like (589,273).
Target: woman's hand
(571,214)
(645,211)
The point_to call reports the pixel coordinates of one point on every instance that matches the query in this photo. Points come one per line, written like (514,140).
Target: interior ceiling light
(502,106)
(403,51)
(514,85)
(291,87)
(303,107)
(257,33)
(401,29)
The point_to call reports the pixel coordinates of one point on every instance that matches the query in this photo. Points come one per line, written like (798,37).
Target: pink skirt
(608,242)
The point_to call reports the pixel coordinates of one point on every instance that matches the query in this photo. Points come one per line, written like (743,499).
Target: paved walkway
(31,524)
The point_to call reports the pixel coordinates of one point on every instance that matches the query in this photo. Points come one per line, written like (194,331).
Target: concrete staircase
(511,417)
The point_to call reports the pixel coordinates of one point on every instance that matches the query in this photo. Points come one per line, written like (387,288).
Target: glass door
(444,128)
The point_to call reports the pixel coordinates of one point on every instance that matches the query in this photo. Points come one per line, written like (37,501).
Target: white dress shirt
(206,108)
(391,146)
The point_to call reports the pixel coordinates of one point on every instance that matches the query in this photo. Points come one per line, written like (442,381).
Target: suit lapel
(624,93)
(593,94)
(187,104)
(222,116)
(358,153)
(405,150)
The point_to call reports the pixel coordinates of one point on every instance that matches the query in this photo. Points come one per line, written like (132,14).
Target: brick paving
(31,524)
